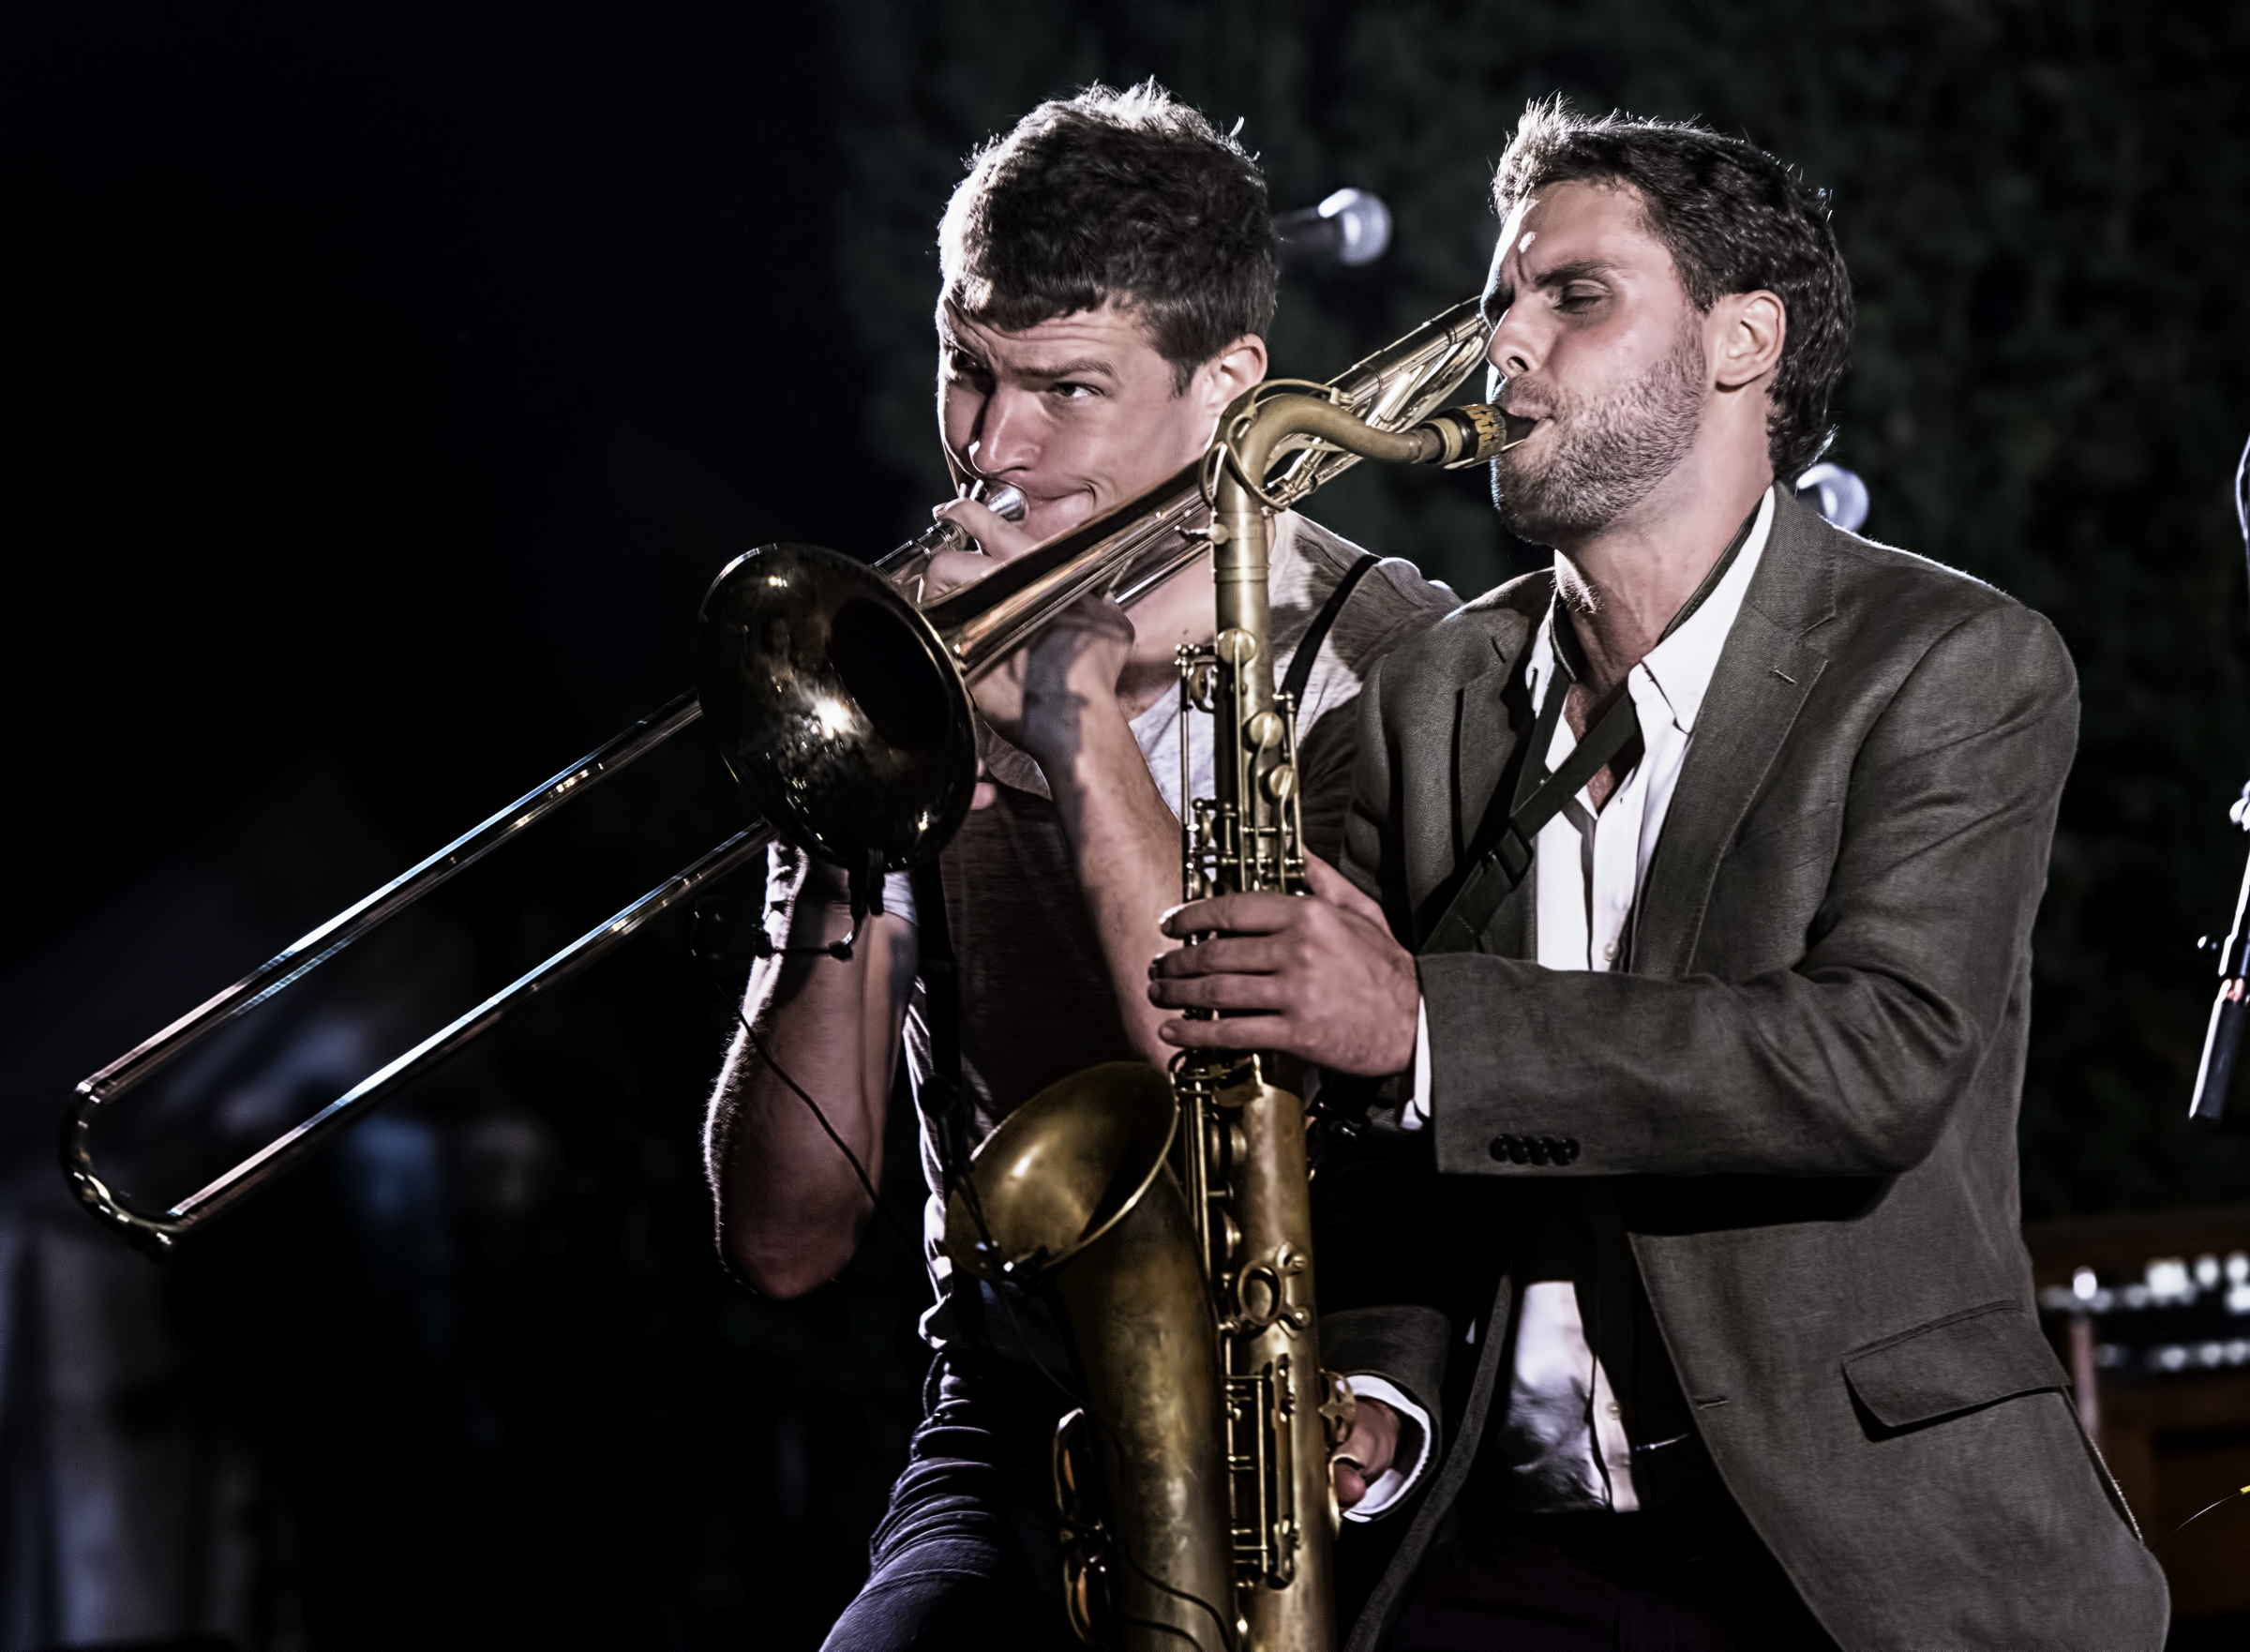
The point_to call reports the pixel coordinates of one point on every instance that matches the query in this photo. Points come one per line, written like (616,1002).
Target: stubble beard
(1606,457)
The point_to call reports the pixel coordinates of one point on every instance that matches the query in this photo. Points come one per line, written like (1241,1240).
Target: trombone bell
(837,707)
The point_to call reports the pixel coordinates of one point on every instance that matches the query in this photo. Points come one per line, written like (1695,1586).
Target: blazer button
(1539,1148)
(1499,1150)
(1563,1150)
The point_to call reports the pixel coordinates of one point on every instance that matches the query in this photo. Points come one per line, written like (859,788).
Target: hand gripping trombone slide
(1170,1222)
(841,702)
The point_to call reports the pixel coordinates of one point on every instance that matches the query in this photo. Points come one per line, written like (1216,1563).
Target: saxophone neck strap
(1504,849)
(1308,647)
(1501,853)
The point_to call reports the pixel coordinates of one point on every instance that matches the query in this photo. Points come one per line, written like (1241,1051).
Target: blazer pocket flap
(1953,1364)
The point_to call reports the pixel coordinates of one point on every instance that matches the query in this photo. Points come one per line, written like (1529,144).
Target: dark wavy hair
(1734,220)
(1129,196)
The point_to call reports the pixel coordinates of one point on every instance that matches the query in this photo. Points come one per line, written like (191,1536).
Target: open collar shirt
(1563,1436)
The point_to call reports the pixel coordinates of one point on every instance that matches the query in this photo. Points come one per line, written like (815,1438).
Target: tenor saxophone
(1166,1218)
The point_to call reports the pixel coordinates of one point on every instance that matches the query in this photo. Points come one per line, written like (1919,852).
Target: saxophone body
(1167,1218)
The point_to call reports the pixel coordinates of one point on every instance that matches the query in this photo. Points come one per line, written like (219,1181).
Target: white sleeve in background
(1416,1113)
(898,897)
(1386,1489)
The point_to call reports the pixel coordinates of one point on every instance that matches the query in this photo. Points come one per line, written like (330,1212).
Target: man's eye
(1576,300)
(1068,390)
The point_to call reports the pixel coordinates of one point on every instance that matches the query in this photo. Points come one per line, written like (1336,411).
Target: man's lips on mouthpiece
(1519,426)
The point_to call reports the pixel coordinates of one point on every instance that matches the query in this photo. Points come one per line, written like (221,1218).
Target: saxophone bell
(1072,1197)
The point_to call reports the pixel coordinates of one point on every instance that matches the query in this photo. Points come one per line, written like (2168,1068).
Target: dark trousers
(1678,1581)
(968,1555)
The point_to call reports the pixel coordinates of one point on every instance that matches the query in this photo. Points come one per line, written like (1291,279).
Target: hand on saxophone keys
(1317,976)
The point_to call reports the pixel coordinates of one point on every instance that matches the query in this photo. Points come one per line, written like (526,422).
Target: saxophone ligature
(1167,1219)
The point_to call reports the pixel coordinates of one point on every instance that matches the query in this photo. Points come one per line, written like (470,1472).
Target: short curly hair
(1131,196)
(1734,221)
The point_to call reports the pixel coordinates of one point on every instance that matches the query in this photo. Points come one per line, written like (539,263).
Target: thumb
(1339,891)
(1350,1481)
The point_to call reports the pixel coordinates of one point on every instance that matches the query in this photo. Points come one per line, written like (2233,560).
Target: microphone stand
(2223,1040)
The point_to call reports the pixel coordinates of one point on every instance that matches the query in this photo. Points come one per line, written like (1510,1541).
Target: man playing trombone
(1108,278)
(1700,876)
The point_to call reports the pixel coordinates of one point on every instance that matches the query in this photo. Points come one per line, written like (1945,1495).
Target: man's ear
(1233,371)
(1750,328)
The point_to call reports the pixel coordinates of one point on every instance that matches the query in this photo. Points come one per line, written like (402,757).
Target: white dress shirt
(1589,865)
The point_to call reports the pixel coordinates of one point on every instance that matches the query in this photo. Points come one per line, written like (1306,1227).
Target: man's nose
(1514,349)
(1008,433)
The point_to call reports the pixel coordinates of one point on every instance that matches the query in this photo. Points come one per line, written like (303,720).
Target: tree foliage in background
(2044,208)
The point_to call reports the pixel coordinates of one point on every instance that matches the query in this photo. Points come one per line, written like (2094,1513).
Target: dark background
(388,384)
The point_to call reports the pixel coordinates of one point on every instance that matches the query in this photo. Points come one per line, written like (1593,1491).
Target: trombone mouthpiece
(1006,502)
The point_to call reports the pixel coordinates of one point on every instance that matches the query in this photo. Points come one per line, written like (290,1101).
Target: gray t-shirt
(1036,1002)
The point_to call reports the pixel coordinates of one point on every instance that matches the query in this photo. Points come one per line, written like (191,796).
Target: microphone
(2230,1011)
(1836,493)
(1350,228)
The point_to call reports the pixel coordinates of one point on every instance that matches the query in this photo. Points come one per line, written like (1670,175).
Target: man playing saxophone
(1700,881)
(1108,277)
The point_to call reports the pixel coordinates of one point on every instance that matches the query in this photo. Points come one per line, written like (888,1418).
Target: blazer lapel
(1481,743)
(1484,733)
(1764,673)
(1486,728)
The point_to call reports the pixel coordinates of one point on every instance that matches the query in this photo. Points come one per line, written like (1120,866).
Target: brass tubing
(1264,425)
(1072,1197)
(1137,1316)
(1292,1605)
(307,953)
(982,622)
(156,1233)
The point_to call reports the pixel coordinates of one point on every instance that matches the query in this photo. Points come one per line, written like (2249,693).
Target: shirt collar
(1679,668)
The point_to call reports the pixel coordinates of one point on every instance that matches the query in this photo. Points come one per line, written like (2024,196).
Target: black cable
(913,1244)
(2199,1514)
(1167,1628)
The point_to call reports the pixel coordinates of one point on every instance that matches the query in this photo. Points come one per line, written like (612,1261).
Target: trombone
(841,703)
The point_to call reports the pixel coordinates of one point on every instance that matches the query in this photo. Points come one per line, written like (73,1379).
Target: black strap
(945,1098)
(1500,865)
(1501,852)
(1301,663)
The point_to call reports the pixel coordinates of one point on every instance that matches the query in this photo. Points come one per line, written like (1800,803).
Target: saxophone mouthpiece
(1468,435)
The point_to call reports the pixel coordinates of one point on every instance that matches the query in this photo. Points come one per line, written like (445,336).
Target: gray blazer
(1806,1083)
